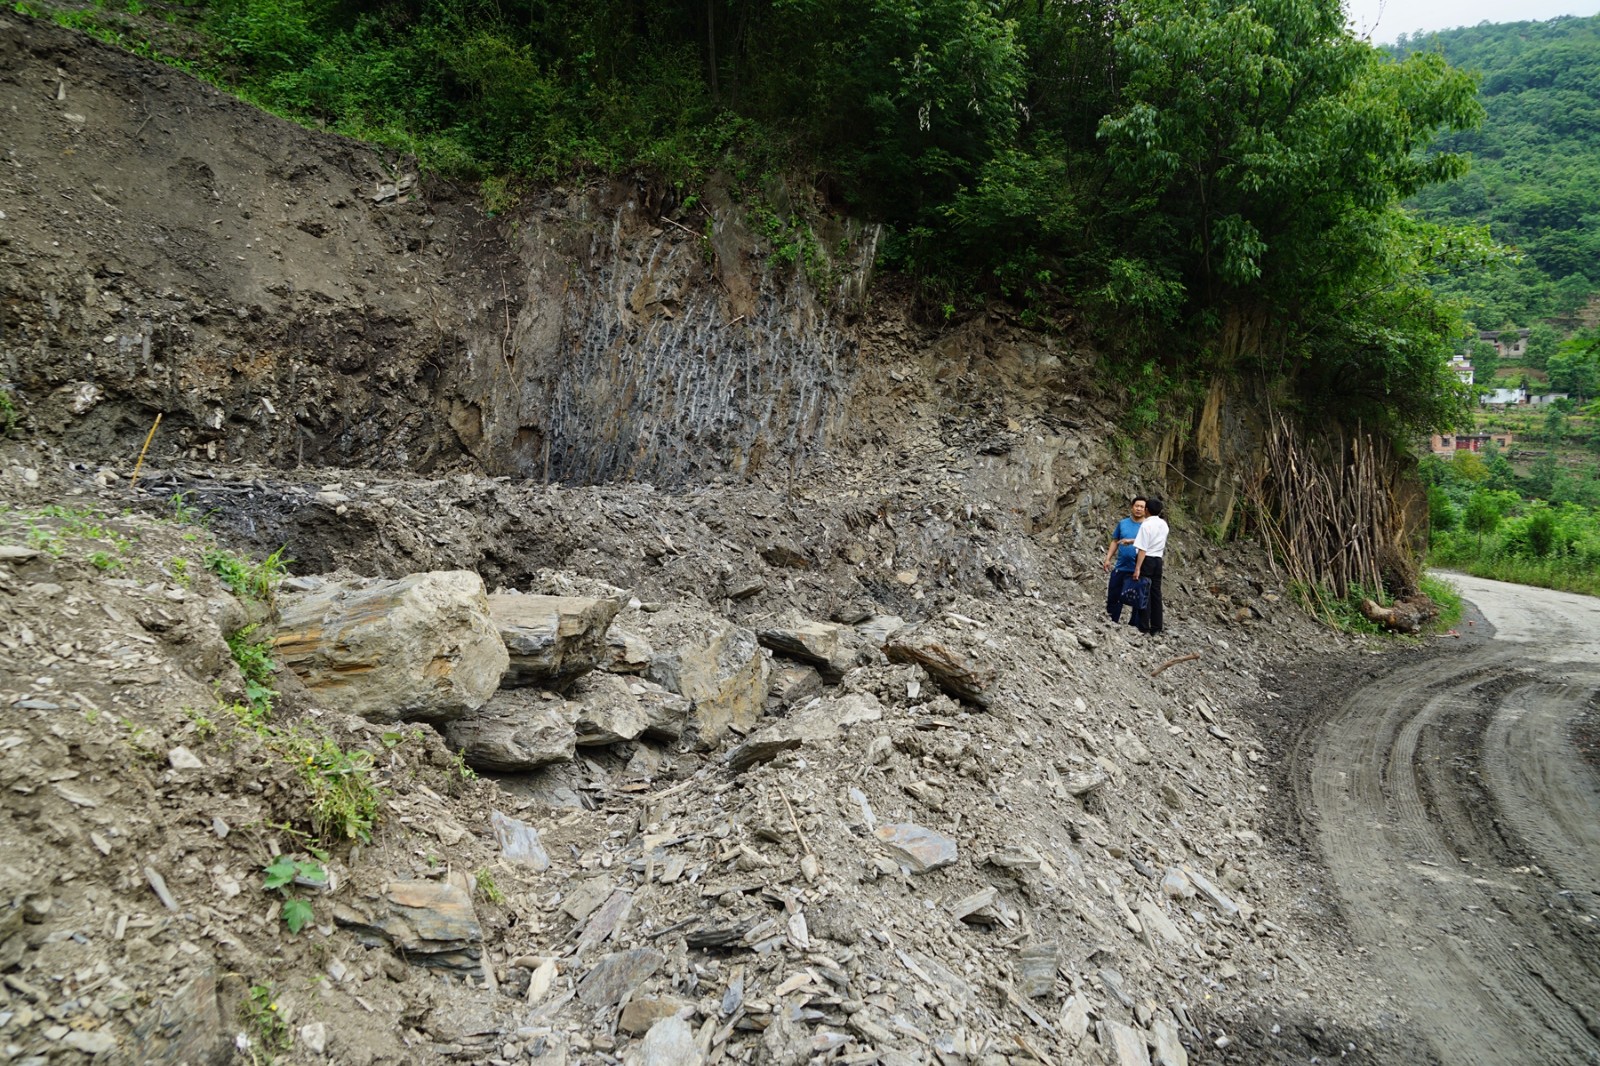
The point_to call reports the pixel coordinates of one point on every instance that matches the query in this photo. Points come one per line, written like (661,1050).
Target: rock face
(516,730)
(720,666)
(420,648)
(552,640)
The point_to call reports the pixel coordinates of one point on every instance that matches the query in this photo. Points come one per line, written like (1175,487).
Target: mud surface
(1447,793)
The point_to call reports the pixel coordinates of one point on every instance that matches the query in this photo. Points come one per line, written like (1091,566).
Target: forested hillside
(1199,187)
(1535,176)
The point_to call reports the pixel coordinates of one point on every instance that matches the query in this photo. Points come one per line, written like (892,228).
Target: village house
(1509,344)
(1446,445)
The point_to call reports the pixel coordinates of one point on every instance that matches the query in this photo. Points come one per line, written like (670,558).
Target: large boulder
(718,665)
(552,640)
(517,730)
(419,648)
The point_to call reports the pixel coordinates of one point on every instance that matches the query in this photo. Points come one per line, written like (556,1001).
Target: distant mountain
(1535,177)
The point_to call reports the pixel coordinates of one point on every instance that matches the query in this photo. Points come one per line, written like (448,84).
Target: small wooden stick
(1038,1056)
(1174,662)
(148,438)
(796,823)
(680,225)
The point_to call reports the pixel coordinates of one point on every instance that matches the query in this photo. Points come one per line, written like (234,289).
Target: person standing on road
(1120,558)
(1150,546)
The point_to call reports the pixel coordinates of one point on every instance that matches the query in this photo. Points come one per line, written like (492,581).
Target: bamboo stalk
(147,439)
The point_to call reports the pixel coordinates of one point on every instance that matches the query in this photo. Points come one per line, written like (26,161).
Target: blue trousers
(1114,602)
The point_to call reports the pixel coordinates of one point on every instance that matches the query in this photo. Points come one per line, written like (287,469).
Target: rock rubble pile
(805,824)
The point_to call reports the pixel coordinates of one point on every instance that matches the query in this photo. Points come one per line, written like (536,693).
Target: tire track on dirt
(1459,827)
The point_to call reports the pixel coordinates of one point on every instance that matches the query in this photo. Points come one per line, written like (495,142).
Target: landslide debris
(864,867)
(832,760)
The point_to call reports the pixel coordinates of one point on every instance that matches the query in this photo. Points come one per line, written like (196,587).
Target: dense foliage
(1209,184)
(1538,529)
(1535,178)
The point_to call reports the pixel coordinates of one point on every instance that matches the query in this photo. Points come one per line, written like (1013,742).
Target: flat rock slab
(913,846)
(421,648)
(1169,1049)
(1036,970)
(519,841)
(617,974)
(430,922)
(1124,1044)
(670,1042)
(642,1013)
(952,668)
(552,640)
(720,666)
(1156,923)
(820,722)
(185,1027)
(516,731)
(819,644)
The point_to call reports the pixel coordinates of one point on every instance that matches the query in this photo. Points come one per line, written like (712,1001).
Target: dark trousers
(1150,620)
(1114,604)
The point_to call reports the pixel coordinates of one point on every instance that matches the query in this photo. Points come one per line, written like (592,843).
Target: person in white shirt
(1150,547)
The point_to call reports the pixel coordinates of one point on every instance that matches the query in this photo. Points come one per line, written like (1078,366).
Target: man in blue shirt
(1121,556)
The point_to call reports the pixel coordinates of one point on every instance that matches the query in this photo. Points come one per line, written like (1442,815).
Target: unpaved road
(1461,829)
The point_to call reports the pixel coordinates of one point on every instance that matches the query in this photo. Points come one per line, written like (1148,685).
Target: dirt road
(1462,830)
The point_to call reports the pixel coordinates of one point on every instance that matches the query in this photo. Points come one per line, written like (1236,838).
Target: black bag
(1136,593)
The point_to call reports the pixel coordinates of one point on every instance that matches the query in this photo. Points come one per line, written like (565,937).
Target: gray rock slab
(1155,921)
(519,841)
(1124,1044)
(823,645)
(552,640)
(919,849)
(515,731)
(432,923)
(1169,1050)
(617,974)
(954,669)
(670,1042)
(614,708)
(1036,970)
(719,666)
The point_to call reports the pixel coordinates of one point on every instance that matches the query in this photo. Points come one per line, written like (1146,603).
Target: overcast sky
(1384,20)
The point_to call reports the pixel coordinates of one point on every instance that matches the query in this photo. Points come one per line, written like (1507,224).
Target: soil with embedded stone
(860,770)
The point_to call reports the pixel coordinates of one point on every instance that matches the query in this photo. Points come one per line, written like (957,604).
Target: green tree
(1441,512)
(1500,477)
(1481,515)
(1469,466)
(1541,532)
(1542,342)
(1485,362)
(1542,477)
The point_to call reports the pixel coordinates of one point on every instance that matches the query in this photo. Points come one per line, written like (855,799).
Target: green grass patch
(248,580)
(1340,612)
(1448,599)
(254,659)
